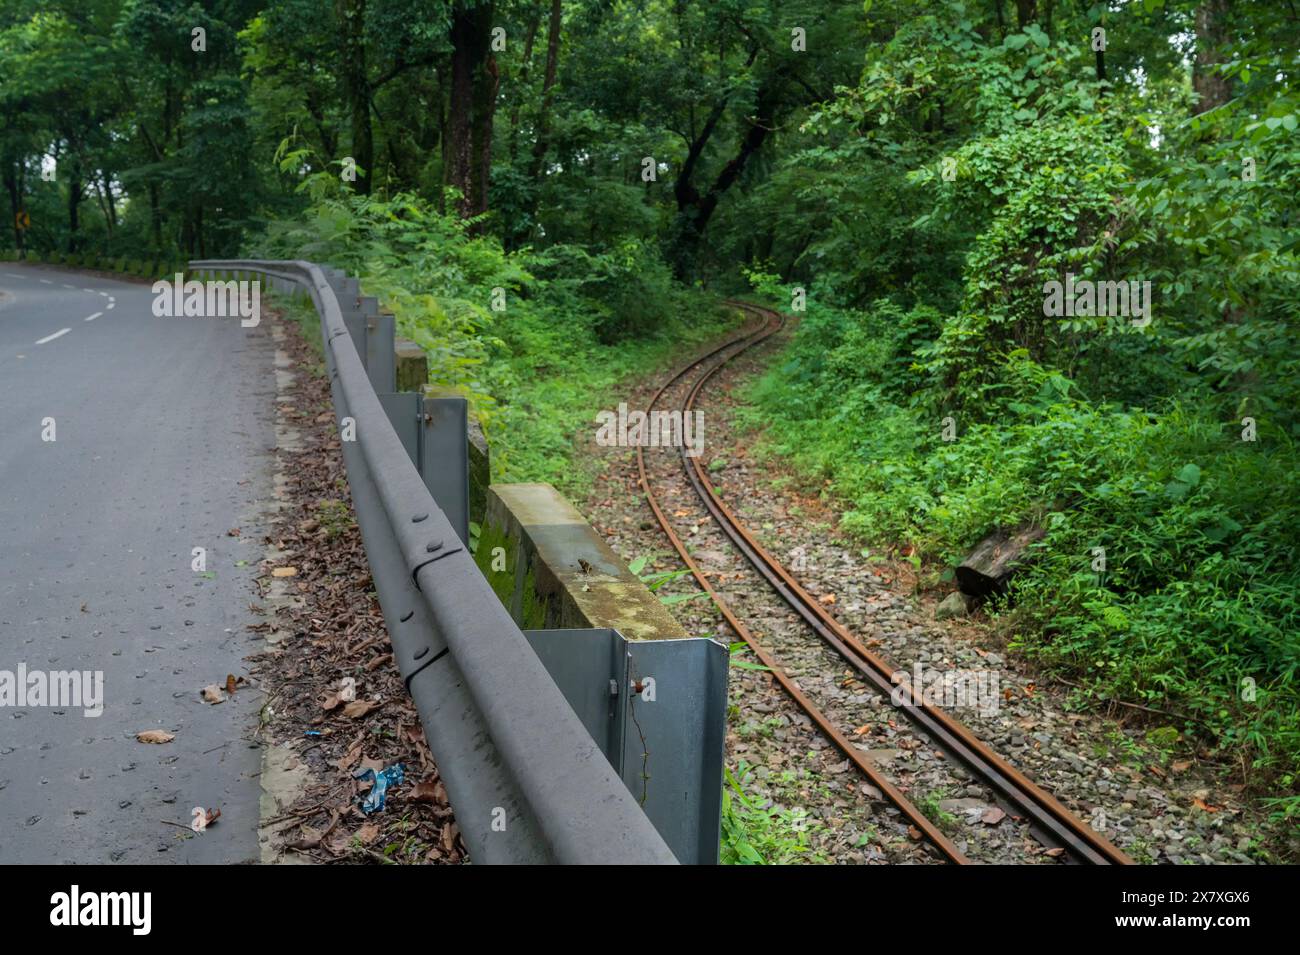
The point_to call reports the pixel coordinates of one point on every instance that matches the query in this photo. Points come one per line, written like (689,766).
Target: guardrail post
(405,415)
(478,455)
(381,337)
(354,319)
(658,711)
(444,458)
(347,290)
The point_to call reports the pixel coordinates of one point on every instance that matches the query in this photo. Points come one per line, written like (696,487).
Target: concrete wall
(532,547)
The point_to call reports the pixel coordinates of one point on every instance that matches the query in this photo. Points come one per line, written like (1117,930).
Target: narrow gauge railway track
(1049,821)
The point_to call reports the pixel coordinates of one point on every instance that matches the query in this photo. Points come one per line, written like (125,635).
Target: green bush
(532,338)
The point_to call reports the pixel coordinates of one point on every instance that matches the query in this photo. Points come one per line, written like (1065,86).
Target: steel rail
(1051,821)
(823,722)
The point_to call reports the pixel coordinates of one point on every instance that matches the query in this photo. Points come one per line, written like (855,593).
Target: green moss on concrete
(529,609)
(490,538)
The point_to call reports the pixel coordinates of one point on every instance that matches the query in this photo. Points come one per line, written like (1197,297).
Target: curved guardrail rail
(526,780)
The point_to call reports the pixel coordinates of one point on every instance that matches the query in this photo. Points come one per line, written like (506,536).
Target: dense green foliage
(535,354)
(548,194)
(1170,444)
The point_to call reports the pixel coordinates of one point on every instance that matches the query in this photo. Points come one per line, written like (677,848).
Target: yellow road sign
(22,219)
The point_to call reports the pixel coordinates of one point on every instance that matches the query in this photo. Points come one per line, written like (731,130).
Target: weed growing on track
(929,804)
(754,834)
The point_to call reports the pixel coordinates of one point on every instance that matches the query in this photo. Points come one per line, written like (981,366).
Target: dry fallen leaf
(346,761)
(826,599)
(338,844)
(992,816)
(212,694)
(1204,806)
(359,708)
(368,833)
(285,572)
(1055,853)
(155,736)
(449,836)
(428,792)
(203,818)
(1181,765)
(310,839)
(231,683)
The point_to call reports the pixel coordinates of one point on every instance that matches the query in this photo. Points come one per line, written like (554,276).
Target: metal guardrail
(526,780)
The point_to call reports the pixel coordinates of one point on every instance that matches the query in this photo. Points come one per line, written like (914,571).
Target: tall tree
(467,144)
(356,86)
(1211,86)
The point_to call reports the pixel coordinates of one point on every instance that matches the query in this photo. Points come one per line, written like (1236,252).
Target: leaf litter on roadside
(339,702)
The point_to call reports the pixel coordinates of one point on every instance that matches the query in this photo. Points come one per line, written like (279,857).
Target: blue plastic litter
(394,775)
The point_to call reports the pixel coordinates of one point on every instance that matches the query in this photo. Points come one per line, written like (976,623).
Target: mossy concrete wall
(412,365)
(532,547)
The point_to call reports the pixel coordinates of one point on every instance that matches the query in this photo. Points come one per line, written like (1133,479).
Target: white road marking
(90,290)
(95,316)
(105,294)
(110,304)
(13,275)
(66,285)
(50,338)
(46,282)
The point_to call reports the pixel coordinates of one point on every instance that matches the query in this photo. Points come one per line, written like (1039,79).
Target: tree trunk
(468,153)
(112,204)
(74,206)
(990,565)
(533,23)
(1211,88)
(1002,20)
(694,210)
(352,24)
(548,92)
(15,204)
(155,215)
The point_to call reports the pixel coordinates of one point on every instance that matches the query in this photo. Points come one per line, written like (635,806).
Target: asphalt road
(163,442)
